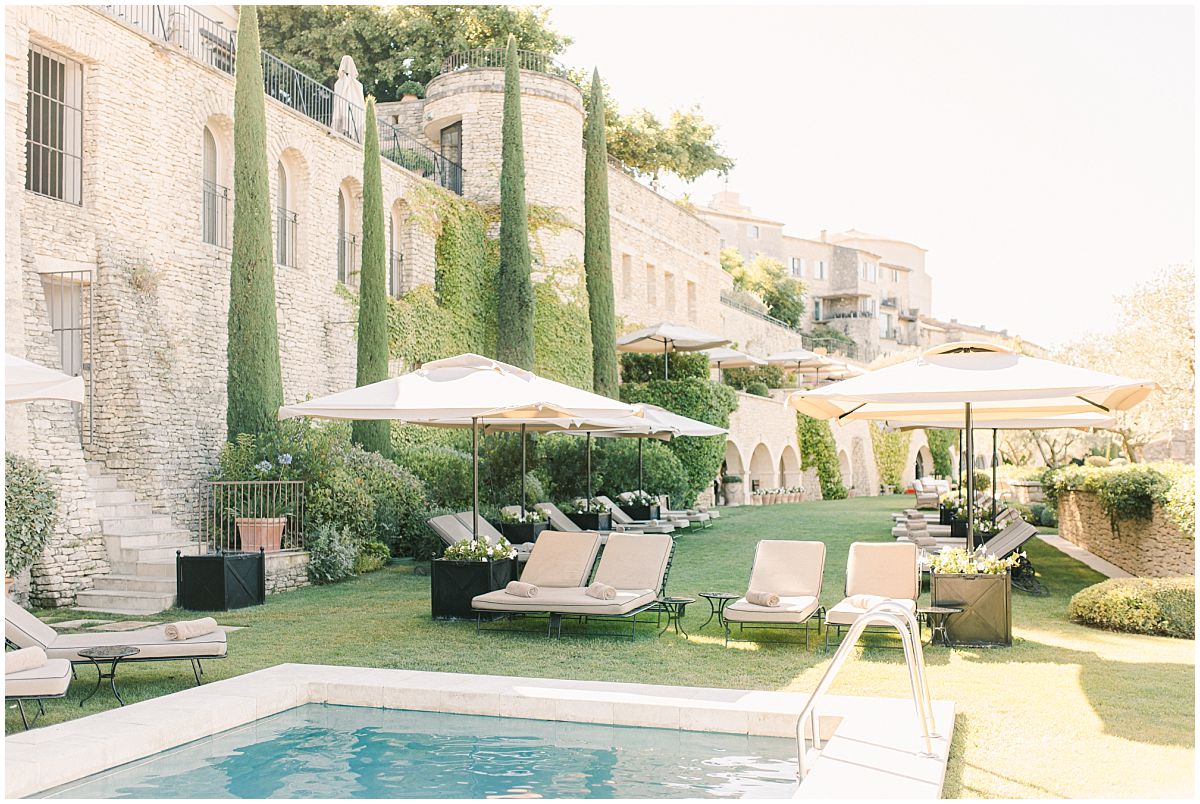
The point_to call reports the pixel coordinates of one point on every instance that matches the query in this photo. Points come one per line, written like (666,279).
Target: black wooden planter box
(641,511)
(454,583)
(520,532)
(945,515)
(221,581)
(592,521)
(986,603)
(958,528)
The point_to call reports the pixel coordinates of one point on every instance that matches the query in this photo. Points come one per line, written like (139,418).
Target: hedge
(30,513)
(891,452)
(1163,606)
(818,450)
(940,442)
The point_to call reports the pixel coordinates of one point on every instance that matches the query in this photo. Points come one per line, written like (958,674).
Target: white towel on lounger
(16,661)
(521,589)
(601,591)
(768,599)
(189,629)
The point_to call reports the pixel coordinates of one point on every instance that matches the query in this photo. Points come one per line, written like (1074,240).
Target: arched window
(287,221)
(214,208)
(395,259)
(347,240)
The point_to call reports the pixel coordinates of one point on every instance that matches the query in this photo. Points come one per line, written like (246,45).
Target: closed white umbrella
(462,391)
(798,359)
(348,101)
(972,379)
(25,381)
(665,337)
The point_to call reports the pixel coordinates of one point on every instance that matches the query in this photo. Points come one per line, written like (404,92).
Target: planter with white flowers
(981,586)
(468,568)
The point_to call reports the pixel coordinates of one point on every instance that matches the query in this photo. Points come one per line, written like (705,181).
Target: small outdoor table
(717,601)
(674,607)
(936,616)
(113,653)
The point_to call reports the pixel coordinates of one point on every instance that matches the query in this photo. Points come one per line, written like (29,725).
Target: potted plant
(590,515)
(518,529)
(641,505)
(981,585)
(261,519)
(468,568)
(30,515)
(732,486)
(411,91)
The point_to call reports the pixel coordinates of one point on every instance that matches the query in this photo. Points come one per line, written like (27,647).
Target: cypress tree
(514,331)
(254,385)
(597,248)
(372,290)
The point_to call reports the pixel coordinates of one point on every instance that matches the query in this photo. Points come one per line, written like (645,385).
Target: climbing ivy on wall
(458,313)
(819,451)
(891,450)
(939,447)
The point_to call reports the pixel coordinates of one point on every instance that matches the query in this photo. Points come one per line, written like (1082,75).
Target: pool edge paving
(871,748)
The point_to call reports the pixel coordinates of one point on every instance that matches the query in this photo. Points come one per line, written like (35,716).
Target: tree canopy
(768,279)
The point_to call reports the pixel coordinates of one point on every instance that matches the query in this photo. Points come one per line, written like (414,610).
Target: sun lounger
(561,522)
(792,570)
(692,515)
(635,565)
(876,571)
(24,630)
(48,678)
(619,517)
(1011,538)
(453,528)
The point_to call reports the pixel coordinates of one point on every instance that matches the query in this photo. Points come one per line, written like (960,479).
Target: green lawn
(1067,712)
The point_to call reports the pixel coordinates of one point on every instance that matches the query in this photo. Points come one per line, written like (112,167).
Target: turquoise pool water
(322,751)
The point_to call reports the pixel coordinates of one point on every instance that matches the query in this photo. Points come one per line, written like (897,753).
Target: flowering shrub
(531,515)
(640,497)
(479,550)
(958,561)
(580,506)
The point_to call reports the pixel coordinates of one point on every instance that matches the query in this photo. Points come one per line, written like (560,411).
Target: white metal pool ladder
(887,613)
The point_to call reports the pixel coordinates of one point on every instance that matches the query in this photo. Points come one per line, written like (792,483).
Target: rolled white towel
(768,599)
(189,629)
(866,601)
(601,591)
(521,589)
(24,659)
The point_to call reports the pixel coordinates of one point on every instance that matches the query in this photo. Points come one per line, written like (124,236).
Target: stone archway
(923,464)
(844,466)
(762,469)
(789,467)
(734,493)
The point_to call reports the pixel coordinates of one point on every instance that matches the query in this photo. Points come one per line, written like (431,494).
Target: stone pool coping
(871,748)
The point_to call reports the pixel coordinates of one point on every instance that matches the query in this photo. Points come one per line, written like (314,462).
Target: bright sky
(1044,156)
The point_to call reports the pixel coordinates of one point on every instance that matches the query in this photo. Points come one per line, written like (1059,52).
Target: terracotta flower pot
(8,584)
(261,532)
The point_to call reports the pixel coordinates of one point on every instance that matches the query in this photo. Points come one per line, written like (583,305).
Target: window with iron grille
(214,208)
(54,126)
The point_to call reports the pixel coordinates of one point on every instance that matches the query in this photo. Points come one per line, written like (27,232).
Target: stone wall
(755,335)
(1154,548)
(286,570)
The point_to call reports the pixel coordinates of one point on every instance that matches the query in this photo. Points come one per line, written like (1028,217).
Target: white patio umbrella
(462,391)
(981,382)
(348,101)
(25,381)
(802,361)
(722,357)
(665,337)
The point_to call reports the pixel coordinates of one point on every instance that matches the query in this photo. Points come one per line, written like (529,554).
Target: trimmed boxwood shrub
(1163,606)
(371,556)
(445,471)
(758,388)
(30,512)
(741,378)
(639,368)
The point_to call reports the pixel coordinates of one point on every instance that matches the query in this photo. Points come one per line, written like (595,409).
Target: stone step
(132,525)
(114,497)
(140,541)
(103,482)
(163,553)
(124,602)
(135,583)
(124,510)
(158,568)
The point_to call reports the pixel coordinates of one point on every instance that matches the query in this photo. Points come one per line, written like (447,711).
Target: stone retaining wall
(286,570)
(1154,548)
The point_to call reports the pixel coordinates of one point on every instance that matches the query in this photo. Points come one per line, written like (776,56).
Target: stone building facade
(128,278)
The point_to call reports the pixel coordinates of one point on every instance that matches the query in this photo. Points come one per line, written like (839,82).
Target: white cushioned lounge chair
(635,565)
(628,523)
(691,514)
(48,680)
(24,630)
(791,569)
(876,571)
(926,497)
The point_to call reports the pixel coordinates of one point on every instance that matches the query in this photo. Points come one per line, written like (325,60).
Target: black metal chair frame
(805,626)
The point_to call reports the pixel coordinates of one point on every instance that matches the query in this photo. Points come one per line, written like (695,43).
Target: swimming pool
(330,751)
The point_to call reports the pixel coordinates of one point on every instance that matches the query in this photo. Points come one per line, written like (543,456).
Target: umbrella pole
(666,363)
(589,469)
(994,489)
(959,467)
(475,477)
(970,437)
(522,472)
(640,484)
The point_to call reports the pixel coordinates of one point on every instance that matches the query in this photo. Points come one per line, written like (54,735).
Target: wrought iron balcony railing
(211,43)
(348,259)
(287,231)
(497,57)
(215,214)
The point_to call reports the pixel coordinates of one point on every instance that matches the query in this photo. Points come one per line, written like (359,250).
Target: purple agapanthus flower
(285,459)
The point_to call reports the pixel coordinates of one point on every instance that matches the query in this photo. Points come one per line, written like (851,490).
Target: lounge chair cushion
(566,601)
(23,629)
(889,570)
(486,529)
(634,561)
(450,528)
(561,560)
(845,613)
(558,520)
(788,568)
(791,609)
(48,681)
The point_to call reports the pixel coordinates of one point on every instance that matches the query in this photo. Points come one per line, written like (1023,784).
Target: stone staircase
(141,551)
